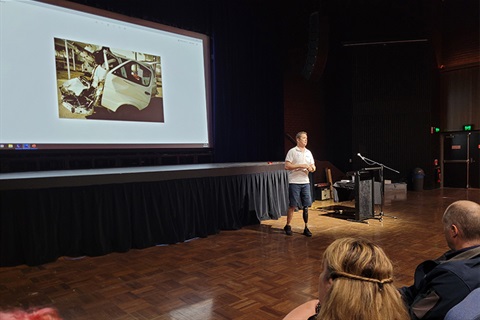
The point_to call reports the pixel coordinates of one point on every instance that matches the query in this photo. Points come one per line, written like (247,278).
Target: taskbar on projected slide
(18,146)
(36,146)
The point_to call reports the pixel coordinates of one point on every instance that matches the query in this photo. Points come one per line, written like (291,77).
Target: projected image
(98,82)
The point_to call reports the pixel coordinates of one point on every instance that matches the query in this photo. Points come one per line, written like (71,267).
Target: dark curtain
(392,96)
(247,46)
(38,226)
(247,82)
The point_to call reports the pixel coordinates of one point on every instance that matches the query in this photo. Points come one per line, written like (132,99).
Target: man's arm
(408,294)
(441,290)
(291,166)
(311,167)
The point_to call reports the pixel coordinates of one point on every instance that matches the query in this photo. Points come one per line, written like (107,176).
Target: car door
(129,83)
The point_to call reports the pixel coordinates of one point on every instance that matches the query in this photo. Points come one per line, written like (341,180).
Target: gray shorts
(299,195)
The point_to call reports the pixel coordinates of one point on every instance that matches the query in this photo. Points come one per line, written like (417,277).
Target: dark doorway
(461,160)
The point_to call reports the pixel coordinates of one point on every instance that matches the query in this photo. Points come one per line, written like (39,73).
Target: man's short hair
(466,216)
(300,134)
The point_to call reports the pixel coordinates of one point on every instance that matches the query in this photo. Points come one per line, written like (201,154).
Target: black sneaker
(307,232)
(288,230)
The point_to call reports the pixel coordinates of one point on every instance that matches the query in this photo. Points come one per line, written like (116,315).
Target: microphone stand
(380,169)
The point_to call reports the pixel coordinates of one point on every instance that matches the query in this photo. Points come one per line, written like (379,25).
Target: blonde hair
(362,283)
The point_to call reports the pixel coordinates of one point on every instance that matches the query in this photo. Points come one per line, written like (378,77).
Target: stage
(49,214)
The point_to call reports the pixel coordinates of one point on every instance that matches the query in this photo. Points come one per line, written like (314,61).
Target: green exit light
(467,127)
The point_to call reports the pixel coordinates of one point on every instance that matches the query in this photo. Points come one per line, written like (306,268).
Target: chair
(467,309)
(328,174)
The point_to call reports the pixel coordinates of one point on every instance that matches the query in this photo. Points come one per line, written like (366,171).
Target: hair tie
(340,274)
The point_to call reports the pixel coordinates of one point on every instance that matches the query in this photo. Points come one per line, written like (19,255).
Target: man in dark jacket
(442,283)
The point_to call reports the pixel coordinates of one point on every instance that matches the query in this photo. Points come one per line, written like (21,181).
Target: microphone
(362,157)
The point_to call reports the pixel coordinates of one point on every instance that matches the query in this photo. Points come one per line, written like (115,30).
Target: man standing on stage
(299,162)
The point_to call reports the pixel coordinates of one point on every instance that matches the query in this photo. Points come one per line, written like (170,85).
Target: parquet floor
(253,273)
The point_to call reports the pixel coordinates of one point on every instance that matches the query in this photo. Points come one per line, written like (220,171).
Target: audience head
(357,279)
(461,222)
(34,314)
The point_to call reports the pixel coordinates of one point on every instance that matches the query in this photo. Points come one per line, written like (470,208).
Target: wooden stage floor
(254,273)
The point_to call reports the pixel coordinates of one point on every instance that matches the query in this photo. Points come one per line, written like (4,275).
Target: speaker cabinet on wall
(317,47)
(364,195)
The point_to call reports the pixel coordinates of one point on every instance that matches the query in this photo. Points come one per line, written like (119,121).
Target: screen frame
(133,146)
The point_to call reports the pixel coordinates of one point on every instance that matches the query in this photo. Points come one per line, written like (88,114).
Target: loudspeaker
(317,47)
(364,195)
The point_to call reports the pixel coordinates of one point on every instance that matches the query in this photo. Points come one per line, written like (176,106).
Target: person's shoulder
(468,270)
(292,150)
(303,311)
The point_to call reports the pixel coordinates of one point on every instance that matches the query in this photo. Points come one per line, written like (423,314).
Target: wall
(382,98)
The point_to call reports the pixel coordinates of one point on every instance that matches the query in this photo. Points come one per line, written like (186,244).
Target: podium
(364,195)
(365,191)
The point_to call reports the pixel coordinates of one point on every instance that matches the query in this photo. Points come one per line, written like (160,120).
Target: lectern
(364,195)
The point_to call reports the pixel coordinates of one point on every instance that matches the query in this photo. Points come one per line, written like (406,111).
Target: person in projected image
(299,162)
(356,283)
(442,283)
(134,73)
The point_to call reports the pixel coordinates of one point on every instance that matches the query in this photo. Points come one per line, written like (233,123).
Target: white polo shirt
(297,156)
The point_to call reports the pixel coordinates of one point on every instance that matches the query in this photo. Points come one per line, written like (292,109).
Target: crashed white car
(115,84)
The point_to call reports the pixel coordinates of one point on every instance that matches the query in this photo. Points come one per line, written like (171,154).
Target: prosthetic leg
(306,232)
(305,215)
